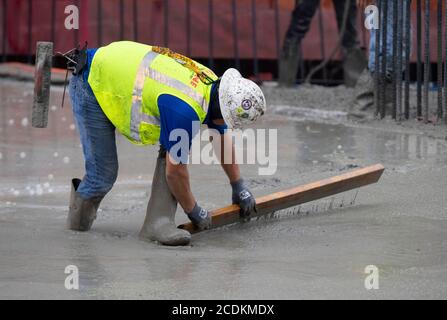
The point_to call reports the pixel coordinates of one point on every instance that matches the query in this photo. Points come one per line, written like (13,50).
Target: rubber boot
(82,212)
(354,64)
(288,63)
(159,224)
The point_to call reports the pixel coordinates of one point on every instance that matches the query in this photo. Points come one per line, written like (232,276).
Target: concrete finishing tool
(76,60)
(297,196)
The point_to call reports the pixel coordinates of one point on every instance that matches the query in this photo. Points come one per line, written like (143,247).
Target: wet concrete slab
(317,251)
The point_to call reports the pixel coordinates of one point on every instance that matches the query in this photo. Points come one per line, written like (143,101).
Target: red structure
(167,23)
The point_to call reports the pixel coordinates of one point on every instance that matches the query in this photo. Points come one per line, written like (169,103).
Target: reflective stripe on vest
(145,71)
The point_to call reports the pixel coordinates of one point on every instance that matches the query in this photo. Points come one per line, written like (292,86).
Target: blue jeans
(97,135)
(389,41)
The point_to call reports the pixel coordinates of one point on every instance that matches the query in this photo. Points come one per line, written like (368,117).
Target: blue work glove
(244,198)
(200,217)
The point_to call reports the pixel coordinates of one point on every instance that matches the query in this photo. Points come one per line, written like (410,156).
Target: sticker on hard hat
(246,104)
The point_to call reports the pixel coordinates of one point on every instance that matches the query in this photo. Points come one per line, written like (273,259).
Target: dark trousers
(305,10)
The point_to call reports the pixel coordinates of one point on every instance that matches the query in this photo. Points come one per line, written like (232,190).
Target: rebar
(376,59)
(384,49)
(255,40)
(188,27)
(395,53)
(445,65)
(121,14)
(427,59)
(135,20)
(399,70)
(439,72)
(407,57)
(419,57)
(30,31)
(322,40)
(5,26)
(53,20)
(235,35)
(210,35)
(277,30)
(99,18)
(166,23)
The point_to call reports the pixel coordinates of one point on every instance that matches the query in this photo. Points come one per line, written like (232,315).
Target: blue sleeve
(220,128)
(176,114)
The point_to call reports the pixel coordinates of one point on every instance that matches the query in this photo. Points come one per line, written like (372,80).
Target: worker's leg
(350,36)
(97,135)
(301,18)
(299,25)
(159,224)
(354,61)
(101,163)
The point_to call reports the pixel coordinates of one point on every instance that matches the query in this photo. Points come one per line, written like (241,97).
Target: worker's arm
(241,195)
(177,176)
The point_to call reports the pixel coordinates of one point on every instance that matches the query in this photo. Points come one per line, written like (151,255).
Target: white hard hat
(241,100)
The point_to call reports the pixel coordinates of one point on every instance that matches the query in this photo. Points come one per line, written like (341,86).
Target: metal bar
(407,58)
(298,195)
(384,50)
(188,28)
(166,23)
(440,113)
(53,21)
(445,64)
(398,72)
(76,31)
(5,26)
(395,52)
(277,30)
(255,40)
(419,57)
(322,40)
(99,18)
(210,35)
(121,13)
(30,31)
(235,35)
(135,20)
(376,59)
(427,59)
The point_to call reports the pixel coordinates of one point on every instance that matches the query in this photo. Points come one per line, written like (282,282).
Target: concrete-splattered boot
(354,64)
(288,63)
(159,224)
(82,212)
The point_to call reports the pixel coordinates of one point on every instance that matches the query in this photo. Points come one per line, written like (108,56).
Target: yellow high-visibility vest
(127,79)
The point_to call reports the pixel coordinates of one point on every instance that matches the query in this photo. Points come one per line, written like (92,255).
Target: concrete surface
(398,225)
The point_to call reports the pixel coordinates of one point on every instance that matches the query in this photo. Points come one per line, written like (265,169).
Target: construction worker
(147,92)
(302,15)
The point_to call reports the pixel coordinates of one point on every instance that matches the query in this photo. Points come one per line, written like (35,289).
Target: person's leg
(97,136)
(301,18)
(299,25)
(350,36)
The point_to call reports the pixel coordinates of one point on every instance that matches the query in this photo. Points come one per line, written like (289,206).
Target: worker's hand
(200,218)
(244,198)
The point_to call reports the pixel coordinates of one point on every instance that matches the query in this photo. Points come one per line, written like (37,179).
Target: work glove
(244,198)
(200,218)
